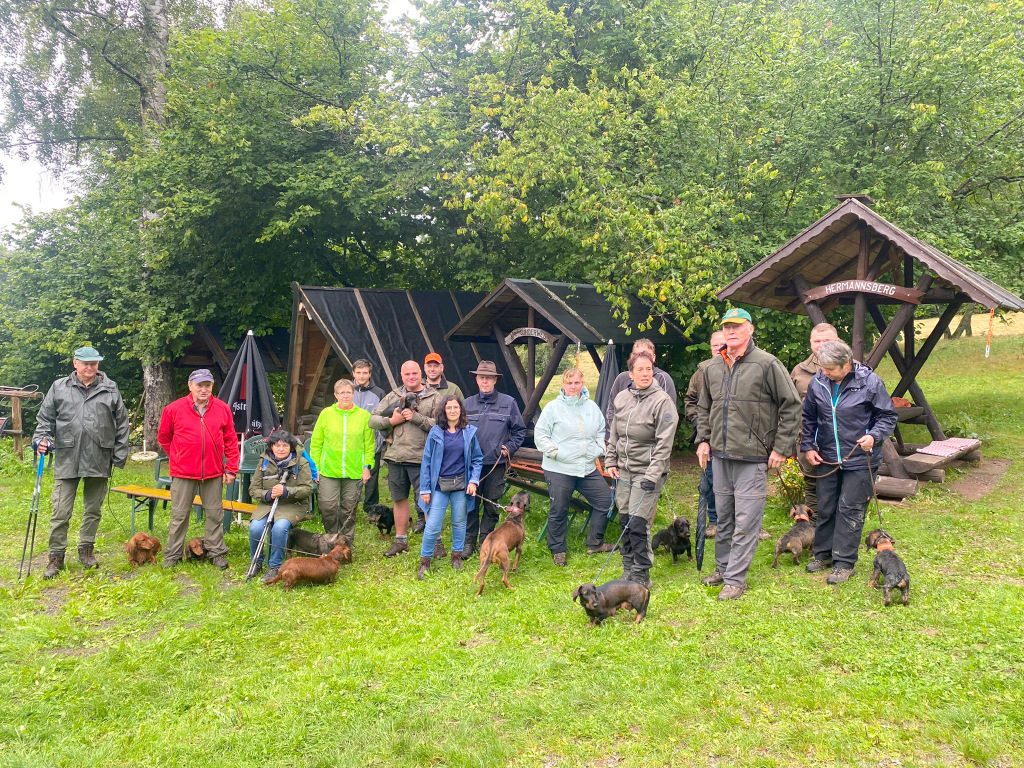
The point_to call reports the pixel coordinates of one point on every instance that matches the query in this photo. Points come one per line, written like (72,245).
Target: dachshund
(312,570)
(888,564)
(308,543)
(500,541)
(676,538)
(142,548)
(196,550)
(383,517)
(796,539)
(605,601)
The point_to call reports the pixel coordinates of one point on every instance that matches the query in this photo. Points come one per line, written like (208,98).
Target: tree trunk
(158,391)
(155,36)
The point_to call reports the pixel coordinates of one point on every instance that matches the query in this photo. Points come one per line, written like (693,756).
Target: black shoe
(420,525)
(269,575)
(468,550)
(817,566)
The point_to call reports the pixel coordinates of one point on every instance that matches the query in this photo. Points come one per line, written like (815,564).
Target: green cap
(88,355)
(736,315)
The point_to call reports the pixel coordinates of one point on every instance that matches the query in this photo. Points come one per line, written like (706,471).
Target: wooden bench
(141,496)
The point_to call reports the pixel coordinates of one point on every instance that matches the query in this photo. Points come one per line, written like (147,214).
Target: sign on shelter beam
(898,292)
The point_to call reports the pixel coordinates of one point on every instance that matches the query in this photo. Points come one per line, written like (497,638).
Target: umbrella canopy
(609,371)
(246,389)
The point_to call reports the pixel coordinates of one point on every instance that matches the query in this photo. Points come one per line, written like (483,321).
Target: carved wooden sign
(537,333)
(898,292)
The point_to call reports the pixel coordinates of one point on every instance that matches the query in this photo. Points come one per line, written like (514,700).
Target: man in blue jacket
(501,432)
(367,396)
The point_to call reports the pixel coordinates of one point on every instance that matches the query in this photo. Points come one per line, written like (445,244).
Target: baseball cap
(433,357)
(203,374)
(88,355)
(736,315)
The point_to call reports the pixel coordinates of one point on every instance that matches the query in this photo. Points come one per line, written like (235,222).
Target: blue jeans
(706,490)
(278,540)
(435,519)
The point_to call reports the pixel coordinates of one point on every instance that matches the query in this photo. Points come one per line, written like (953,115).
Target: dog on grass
(796,539)
(142,548)
(676,538)
(383,517)
(312,570)
(605,601)
(888,565)
(196,550)
(314,544)
(499,542)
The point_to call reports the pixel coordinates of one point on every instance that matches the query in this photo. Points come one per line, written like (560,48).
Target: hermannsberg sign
(898,292)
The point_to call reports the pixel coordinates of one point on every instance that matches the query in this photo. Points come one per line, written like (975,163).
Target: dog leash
(624,528)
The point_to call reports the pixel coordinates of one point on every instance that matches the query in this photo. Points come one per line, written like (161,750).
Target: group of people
(449,452)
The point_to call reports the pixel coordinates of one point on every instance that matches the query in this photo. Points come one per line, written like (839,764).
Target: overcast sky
(26,184)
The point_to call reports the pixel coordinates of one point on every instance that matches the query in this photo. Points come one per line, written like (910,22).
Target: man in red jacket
(198,434)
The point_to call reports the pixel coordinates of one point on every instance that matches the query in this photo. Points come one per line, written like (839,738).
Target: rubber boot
(456,560)
(424,567)
(54,566)
(86,556)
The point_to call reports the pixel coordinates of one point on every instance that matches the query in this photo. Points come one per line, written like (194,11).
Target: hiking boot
(468,550)
(711,531)
(817,566)
(424,567)
(86,556)
(713,580)
(220,562)
(54,566)
(397,547)
(421,523)
(270,574)
(439,551)
(456,560)
(171,563)
(640,577)
(559,558)
(603,547)
(839,575)
(729,592)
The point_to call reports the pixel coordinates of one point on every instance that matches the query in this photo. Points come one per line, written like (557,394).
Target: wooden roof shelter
(852,255)
(209,350)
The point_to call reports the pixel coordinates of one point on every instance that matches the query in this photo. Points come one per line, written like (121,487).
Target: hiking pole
(258,554)
(33,515)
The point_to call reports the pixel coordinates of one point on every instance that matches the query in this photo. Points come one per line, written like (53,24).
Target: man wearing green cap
(748,413)
(84,422)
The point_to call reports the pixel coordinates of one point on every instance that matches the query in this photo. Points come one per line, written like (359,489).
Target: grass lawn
(194,668)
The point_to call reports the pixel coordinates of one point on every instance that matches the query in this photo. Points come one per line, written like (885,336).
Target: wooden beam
(796,269)
(827,307)
(908,327)
(419,320)
(888,337)
(19,447)
(860,304)
(291,415)
(893,460)
(215,349)
(472,345)
(813,310)
(926,349)
(515,367)
(594,356)
(385,363)
(533,403)
(265,343)
(321,363)
(531,351)
(895,487)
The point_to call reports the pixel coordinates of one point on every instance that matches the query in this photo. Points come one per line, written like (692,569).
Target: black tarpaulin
(246,390)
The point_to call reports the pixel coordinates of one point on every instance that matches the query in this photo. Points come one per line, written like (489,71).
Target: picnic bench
(141,496)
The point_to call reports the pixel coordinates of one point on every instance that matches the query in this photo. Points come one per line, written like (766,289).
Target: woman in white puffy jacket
(570,434)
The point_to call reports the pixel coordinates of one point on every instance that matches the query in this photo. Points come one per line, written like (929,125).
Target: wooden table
(141,496)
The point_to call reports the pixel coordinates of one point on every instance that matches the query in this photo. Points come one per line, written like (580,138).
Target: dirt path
(981,480)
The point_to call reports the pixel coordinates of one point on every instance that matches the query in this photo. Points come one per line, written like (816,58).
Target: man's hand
(366,475)
(43,448)
(276,491)
(775,459)
(228,478)
(614,472)
(471,489)
(703,454)
(866,443)
(813,458)
(407,414)
(397,418)
(425,497)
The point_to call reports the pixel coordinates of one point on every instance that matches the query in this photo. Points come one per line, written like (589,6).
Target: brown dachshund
(312,570)
(605,601)
(196,550)
(142,548)
(500,541)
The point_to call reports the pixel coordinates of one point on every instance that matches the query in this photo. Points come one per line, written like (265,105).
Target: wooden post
(888,337)
(860,302)
(549,371)
(594,356)
(914,367)
(291,416)
(515,367)
(813,310)
(893,460)
(531,352)
(908,328)
(16,427)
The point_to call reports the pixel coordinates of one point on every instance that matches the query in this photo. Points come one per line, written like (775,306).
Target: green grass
(192,667)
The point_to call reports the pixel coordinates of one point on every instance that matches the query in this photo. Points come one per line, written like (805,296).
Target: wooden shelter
(209,349)
(559,314)
(852,255)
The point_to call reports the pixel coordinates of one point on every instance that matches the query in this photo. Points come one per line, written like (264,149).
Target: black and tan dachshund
(888,565)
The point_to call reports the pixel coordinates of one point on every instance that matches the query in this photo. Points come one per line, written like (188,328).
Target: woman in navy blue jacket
(847,415)
(452,462)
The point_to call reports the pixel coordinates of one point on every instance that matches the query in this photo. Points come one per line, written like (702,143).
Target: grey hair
(834,354)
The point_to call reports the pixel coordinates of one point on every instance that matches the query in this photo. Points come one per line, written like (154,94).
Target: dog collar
(884,545)
(805,518)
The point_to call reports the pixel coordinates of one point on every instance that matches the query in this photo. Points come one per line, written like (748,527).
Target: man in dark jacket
(707,477)
(367,397)
(501,431)
(747,417)
(624,381)
(84,421)
(197,433)
(848,403)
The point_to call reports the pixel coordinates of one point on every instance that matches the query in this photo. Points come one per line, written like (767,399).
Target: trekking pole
(258,555)
(33,515)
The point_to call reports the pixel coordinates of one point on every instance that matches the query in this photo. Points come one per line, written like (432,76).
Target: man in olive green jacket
(706,485)
(84,421)
(747,418)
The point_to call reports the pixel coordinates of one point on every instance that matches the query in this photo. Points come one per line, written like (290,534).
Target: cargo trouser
(372,494)
(844,502)
(740,490)
(637,509)
(62,501)
(560,488)
(183,492)
(339,497)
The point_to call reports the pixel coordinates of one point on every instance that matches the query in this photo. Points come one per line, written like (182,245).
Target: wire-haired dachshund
(142,548)
(888,564)
(605,601)
(676,538)
(798,538)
